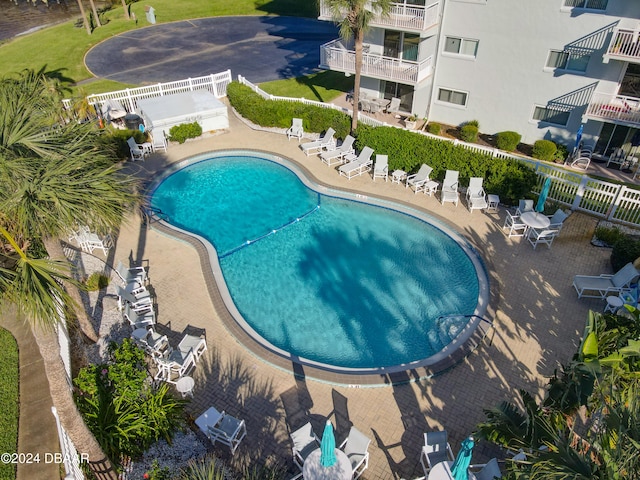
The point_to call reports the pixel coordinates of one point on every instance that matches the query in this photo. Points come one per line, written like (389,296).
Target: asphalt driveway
(259,48)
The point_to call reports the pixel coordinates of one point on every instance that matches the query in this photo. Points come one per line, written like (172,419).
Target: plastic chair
(223,428)
(436,449)
(304,441)
(296,129)
(356,447)
(515,225)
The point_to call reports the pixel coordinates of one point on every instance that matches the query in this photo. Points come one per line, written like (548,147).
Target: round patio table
(313,470)
(535,220)
(441,471)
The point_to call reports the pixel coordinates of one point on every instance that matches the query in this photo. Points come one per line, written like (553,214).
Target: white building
(538,67)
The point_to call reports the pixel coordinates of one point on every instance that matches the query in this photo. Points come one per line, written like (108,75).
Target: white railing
(335,56)
(402,16)
(617,108)
(69,456)
(625,45)
(128,98)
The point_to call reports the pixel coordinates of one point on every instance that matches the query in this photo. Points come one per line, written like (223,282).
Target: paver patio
(538,321)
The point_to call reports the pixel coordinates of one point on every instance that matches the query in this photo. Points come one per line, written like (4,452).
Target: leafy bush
(469,133)
(434,128)
(561,154)
(278,113)
(625,250)
(205,468)
(544,150)
(609,235)
(124,411)
(180,133)
(116,140)
(507,141)
(96,281)
(475,123)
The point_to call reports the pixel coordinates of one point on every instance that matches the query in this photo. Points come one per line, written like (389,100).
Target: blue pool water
(331,280)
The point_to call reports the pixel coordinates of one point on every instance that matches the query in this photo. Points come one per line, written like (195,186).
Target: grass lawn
(322,87)
(8,401)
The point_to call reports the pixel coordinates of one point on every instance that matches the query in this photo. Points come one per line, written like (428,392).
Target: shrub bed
(180,133)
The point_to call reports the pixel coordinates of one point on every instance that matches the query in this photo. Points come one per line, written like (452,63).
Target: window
(461,46)
(551,115)
(591,4)
(576,62)
(452,96)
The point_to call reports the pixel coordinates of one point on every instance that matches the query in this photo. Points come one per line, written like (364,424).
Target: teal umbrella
(543,195)
(460,467)
(328,446)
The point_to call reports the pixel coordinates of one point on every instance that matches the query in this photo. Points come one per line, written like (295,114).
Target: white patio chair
(90,241)
(326,142)
(557,219)
(589,286)
(418,180)
(488,471)
(153,343)
(546,236)
(356,447)
(304,441)
(158,141)
(173,365)
(139,301)
(617,157)
(394,106)
(357,165)
(337,156)
(223,428)
(197,345)
(449,192)
(135,149)
(139,319)
(295,130)
(581,163)
(436,449)
(132,274)
(524,206)
(515,225)
(381,167)
(476,197)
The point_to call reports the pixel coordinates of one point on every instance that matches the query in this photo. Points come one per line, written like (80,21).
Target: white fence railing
(625,44)
(401,16)
(69,456)
(608,200)
(618,108)
(128,98)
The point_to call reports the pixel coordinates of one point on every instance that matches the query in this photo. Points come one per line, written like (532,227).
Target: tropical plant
(354,18)
(205,468)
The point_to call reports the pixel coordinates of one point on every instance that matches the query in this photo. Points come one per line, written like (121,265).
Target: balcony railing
(614,109)
(335,56)
(401,17)
(624,46)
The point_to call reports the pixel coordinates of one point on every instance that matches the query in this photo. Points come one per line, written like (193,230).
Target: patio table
(313,470)
(441,471)
(535,220)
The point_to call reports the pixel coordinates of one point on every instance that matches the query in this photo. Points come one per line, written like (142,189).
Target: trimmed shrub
(625,250)
(475,123)
(434,128)
(507,141)
(544,150)
(469,133)
(180,133)
(609,235)
(96,281)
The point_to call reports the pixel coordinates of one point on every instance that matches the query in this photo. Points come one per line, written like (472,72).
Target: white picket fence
(614,202)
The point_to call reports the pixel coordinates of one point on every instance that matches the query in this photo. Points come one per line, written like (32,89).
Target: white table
(441,471)
(535,220)
(493,202)
(185,385)
(614,303)
(397,176)
(313,470)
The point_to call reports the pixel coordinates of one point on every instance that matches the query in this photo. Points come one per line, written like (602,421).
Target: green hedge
(544,150)
(469,133)
(278,113)
(180,133)
(507,141)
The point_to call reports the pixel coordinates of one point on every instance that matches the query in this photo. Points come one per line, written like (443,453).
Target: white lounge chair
(488,471)
(90,241)
(140,319)
(603,285)
(524,206)
(132,274)
(581,163)
(139,299)
(381,167)
(419,180)
(336,156)
(154,343)
(546,236)
(135,149)
(515,225)
(222,427)
(304,441)
(158,141)
(617,157)
(449,192)
(173,365)
(295,130)
(197,345)
(476,197)
(326,142)
(436,449)
(357,165)
(356,447)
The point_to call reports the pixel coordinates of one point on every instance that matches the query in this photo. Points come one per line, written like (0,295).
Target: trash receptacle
(132,121)
(150,13)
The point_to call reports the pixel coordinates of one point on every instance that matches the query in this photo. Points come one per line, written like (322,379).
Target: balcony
(334,56)
(617,109)
(410,18)
(624,46)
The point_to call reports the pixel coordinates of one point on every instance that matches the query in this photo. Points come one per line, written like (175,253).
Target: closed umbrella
(328,446)
(578,137)
(460,467)
(544,193)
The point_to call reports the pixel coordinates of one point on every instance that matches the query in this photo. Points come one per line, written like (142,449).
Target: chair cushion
(303,438)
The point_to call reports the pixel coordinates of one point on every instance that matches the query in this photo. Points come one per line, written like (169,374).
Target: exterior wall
(508,76)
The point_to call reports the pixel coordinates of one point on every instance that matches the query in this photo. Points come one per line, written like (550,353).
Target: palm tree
(126,10)
(85,22)
(53,176)
(354,18)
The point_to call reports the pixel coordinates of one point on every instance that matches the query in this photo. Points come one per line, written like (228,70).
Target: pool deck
(538,321)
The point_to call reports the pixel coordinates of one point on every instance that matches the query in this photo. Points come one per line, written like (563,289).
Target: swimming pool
(323,276)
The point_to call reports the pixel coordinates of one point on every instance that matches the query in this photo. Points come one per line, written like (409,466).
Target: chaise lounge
(357,165)
(603,285)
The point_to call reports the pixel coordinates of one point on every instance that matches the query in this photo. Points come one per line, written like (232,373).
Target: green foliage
(544,150)
(264,473)
(124,411)
(322,87)
(625,250)
(116,140)
(96,281)
(469,133)
(157,473)
(277,113)
(434,128)
(9,400)
(561,153)
(475,123)
(180,133)
(609,235)
(205,468)
(507,141)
